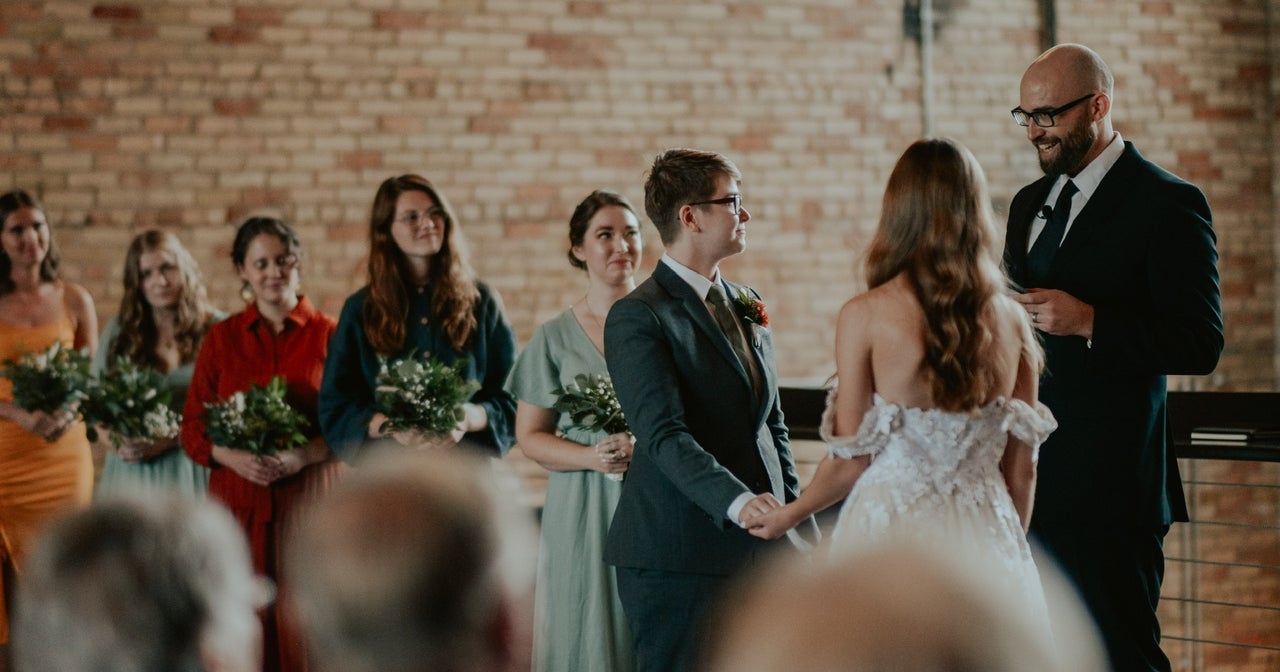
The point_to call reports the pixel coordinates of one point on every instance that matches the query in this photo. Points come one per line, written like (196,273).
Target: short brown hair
(678,177)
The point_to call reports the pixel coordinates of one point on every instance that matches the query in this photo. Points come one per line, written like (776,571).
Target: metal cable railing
(1220,608)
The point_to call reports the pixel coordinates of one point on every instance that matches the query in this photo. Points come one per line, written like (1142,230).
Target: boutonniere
(751,308)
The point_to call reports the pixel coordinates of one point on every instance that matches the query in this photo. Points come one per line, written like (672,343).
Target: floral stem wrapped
(422,394)
(132,402)
(54,380)
(592,405)
(258,420)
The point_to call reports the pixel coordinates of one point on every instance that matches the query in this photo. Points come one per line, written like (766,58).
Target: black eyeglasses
(734,202)
(1044,118)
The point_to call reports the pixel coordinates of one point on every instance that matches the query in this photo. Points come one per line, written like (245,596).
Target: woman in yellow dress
(45,465)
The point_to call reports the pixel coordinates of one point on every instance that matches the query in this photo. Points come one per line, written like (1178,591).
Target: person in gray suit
(691,357)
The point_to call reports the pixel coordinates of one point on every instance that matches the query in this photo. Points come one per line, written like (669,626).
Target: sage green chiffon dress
(578,624)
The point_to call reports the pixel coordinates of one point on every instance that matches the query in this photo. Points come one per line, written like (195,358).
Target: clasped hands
(50,426)
(614,453)
(267,469)
(765,517)
(474,418)
(141,450)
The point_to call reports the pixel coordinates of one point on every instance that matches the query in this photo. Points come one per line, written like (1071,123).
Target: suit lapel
(1110,191)
(696,308)
(1020,230)
(755,345)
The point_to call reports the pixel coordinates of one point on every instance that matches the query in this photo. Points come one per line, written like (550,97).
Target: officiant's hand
(1056,312)
(773,523)
(614,453)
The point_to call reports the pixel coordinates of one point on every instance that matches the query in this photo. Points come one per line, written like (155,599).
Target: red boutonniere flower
(751,308)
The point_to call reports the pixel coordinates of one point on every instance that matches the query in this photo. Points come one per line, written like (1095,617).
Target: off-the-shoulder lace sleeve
(871,436)
(1030,424)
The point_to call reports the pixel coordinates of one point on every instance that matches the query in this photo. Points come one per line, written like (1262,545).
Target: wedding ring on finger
(1035,318)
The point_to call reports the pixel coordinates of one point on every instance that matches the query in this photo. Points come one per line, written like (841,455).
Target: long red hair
(451,280)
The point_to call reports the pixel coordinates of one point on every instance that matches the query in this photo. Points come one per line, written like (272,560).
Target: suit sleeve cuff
(735,509)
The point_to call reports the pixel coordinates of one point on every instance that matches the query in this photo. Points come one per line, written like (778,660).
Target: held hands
(770,524)
(613,453)
(1056,312)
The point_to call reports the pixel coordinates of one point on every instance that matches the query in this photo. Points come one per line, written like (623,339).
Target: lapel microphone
(1045,212)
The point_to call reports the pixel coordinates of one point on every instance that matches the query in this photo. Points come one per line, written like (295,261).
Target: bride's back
(934,329)
(895,324)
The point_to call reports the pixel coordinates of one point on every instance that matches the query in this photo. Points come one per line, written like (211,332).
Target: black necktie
(1040,258)
(728,322)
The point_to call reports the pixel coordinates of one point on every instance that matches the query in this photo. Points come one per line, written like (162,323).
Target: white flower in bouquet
(258,420)
(592,405)
(422,394)
(132,402)
(56,379)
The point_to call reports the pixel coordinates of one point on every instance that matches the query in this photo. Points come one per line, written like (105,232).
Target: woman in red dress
(279,333)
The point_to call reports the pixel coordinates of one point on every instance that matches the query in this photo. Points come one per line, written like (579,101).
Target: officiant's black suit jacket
(700,432)
(1142,253)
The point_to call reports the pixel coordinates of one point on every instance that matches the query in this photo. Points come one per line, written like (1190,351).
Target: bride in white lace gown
(934,429)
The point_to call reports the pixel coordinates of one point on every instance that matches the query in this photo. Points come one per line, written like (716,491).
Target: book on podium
(1235,435)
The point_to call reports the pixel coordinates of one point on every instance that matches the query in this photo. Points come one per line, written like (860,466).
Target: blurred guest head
(25,237)
(412,564)
(162,584)
(893,609)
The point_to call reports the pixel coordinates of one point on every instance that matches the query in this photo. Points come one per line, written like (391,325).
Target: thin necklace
(591,312)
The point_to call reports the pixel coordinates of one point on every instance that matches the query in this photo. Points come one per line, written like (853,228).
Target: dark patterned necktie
(728,322)
(1040,258)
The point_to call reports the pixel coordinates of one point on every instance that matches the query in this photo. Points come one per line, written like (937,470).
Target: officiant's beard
(1072,150)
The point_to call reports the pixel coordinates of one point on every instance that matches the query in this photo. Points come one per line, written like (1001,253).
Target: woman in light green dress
(578,622)
(163,317)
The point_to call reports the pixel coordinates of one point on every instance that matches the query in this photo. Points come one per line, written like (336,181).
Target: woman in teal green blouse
(578,622)
(421,297)
(163,317)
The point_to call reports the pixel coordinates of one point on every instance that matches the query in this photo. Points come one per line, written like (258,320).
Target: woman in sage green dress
(162,320)
(578,622)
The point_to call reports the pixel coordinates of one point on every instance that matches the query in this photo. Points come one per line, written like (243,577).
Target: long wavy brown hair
(138,332)
(10,202)
(937,228)
(451,280)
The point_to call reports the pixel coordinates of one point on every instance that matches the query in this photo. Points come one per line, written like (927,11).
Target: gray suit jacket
(702,438)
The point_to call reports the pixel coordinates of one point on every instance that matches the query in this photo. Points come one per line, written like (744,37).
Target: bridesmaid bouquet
(422,394)
(54,380)
(593,406)
(132,402)
(258,420)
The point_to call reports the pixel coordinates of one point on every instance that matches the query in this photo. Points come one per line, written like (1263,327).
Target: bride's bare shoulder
(883,306)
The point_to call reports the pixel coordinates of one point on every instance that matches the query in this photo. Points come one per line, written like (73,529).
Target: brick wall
(191,115)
